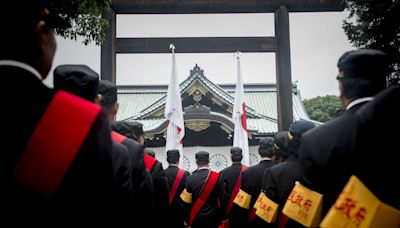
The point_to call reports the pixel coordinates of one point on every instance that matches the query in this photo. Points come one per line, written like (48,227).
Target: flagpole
(240,138)
(172,47)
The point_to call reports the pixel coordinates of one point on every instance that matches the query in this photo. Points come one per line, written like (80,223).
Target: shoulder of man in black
(318,144)
(161,187)
(378,133)
(230,169)
(170,172)
(279,180)
(230,176)
(122,170)
(88,183)
(136,154)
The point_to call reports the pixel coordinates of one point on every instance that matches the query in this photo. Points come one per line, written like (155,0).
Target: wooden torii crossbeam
(280,44)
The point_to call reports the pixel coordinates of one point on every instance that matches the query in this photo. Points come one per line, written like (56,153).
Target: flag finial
(237,54)
(172,47)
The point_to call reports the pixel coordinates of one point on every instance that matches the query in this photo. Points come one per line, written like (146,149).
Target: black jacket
(230,176)
(87,185)
(175,209)
(325,156)
(376,146)
(161,188)
(251,184)
(122,173)
(212,211)
(278,181)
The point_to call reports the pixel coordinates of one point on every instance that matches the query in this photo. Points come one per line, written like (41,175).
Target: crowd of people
(66,160)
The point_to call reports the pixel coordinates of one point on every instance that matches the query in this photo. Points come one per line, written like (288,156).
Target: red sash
(252,214)
(175,185)
(205,193)
(149,162)
(55,142)
(117,137)
(235,190)
(283,219)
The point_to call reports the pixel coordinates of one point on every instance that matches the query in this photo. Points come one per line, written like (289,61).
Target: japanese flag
(173,111)
(240,138)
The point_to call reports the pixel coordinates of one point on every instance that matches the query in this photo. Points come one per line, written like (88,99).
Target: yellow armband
(243,199)
(186,196)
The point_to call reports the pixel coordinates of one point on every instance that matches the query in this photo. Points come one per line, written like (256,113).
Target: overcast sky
(317,41)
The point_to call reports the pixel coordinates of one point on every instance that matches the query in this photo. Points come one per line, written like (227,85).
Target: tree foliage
(376,24)
(323,108)
(83,19)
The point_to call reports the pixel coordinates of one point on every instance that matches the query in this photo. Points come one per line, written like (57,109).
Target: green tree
(323,108)
(376,24)
(83,19)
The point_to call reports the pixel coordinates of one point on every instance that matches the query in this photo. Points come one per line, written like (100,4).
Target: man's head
(281,145)
(151,153)
(266,147)
(202,158)
(28,27)
(77,79)
(236,154)
(362,73)
(109,98)
(132,130)
(296,130)
(173,156)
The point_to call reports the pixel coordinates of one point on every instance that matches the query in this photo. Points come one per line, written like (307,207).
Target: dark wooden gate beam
(196,44)
(221,6)
(108,55)
(283,69)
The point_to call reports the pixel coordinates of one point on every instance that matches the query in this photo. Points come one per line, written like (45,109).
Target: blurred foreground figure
(58,164)
(326,158)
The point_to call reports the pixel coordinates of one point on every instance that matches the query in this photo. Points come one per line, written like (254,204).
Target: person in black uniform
(27,49)
(251,184)
(230,176)
(142,190)
(374,135)
(278,181)
(281,146)
(325,161)
(160,184)
(176,178)
(212,212)
(83,82)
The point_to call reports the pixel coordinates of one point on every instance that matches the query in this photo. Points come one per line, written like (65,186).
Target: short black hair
(173,156)
(354,88)
(236,154)
(202,158)
(266,147)
(109,93)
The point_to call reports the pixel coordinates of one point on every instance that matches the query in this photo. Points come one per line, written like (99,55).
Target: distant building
(207,113)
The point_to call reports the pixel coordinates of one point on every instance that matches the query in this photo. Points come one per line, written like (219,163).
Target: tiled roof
(138,101)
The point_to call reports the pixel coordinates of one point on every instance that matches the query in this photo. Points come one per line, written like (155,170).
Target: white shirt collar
(21,65)
(266,159)
(202,168)
(358,101)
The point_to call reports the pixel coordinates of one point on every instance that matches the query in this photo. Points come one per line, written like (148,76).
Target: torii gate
(280,44)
